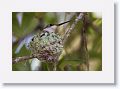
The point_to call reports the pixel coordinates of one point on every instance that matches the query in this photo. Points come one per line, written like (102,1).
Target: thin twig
(23,58)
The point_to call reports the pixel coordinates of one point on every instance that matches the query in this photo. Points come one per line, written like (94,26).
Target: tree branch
(23,58)
(83,49)
(67,33)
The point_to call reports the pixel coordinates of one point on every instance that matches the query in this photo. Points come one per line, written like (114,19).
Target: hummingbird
(53,27)
(47,45)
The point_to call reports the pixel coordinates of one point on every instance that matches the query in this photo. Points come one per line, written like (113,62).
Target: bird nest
(46,46)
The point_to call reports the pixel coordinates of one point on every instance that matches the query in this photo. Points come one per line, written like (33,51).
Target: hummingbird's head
(51,28)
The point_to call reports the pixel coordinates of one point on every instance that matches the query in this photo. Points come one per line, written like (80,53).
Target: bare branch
(23,58)
(83,49)
(67,33)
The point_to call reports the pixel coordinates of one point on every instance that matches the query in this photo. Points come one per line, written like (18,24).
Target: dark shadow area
(57,84)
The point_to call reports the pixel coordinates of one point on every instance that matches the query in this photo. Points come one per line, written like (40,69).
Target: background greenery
(25,25)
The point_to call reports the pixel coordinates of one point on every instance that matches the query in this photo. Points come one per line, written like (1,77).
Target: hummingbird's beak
(58,24)
(53,27)
(63,23)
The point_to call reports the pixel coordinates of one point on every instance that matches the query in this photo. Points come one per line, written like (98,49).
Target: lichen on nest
(46,46)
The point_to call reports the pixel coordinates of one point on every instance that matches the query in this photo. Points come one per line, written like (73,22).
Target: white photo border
(104,76)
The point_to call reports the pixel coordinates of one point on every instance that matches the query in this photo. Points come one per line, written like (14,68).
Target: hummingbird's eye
(50,24)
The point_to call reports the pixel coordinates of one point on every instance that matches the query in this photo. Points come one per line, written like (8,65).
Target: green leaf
(21,66)
(44,66)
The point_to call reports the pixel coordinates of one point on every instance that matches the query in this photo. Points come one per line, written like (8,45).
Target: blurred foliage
(23,24)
